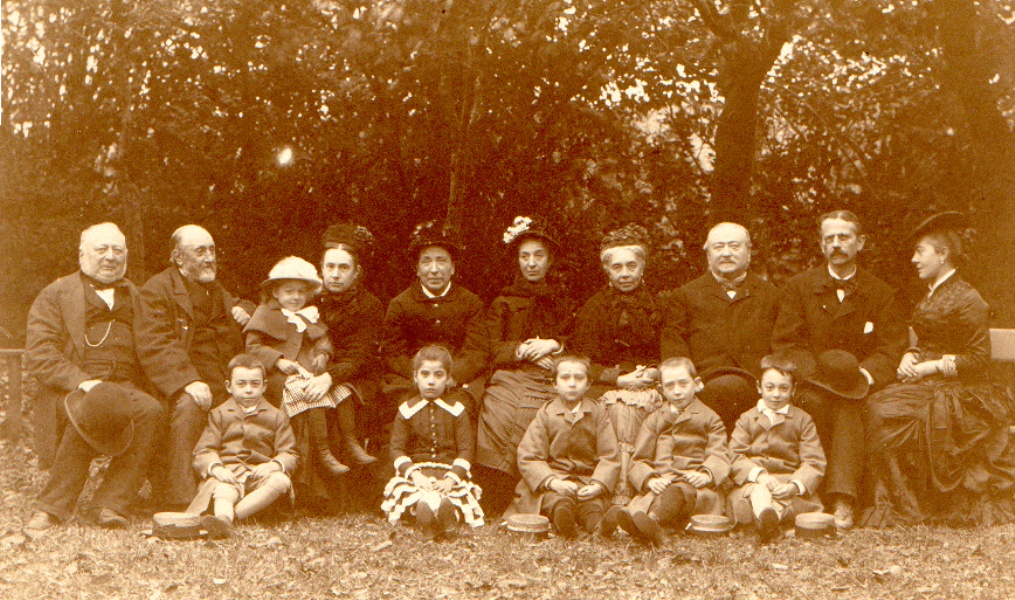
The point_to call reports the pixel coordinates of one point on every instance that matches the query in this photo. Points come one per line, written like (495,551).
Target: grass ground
(360,556)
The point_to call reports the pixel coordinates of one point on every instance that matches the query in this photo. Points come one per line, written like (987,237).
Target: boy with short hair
(680,462)
(245,453)
(569,458)
(778,462)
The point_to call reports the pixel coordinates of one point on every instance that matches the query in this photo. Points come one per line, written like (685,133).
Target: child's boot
(608,524)
(347,423)
(426,520)
(649,528)
(447,518)
(318,422)
(564,518)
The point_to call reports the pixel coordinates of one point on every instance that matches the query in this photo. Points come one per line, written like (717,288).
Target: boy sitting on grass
(680,461)
(778,462)
(569,458)
(245,452)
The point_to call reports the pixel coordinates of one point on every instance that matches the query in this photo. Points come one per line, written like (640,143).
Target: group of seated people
(636,410)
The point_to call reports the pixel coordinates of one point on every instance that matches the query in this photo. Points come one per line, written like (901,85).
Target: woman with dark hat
(619,329)
(938,443)
(526,326)
(353,317)
(434,311)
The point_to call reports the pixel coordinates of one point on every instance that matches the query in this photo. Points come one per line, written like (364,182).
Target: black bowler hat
(102,417)
(838,371)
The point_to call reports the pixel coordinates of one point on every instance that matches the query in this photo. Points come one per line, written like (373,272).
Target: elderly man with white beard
(81,346)
(194,328)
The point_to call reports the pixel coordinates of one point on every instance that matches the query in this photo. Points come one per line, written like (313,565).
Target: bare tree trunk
(746,61)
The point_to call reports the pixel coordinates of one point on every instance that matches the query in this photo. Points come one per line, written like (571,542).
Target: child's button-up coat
(694,440)
(432,431)
(240,442)
(790,450)
(560,443)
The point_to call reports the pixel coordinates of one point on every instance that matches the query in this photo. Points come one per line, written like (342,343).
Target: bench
(12,425)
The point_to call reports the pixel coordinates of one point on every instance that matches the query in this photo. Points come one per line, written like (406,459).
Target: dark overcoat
(414,320)
(704,324)
(54,352)
(870,323)
(169,326)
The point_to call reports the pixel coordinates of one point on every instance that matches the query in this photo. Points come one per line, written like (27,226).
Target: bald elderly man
(83,332)
(723,322)
(194,326)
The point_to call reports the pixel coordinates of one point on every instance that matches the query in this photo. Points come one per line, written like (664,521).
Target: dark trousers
(675,504)
(840,426)
(588,512)
(730,396)
(125,474)
(174,478)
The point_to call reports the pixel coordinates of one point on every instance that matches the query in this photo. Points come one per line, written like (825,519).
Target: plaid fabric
(294,397)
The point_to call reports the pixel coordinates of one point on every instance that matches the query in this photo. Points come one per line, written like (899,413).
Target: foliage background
(593,113)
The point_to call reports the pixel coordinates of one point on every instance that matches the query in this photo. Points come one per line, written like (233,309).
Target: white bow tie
(309,313)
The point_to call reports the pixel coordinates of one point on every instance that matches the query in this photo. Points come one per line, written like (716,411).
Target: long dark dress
(353,318)
(619,331)
(517,389)
(939,449)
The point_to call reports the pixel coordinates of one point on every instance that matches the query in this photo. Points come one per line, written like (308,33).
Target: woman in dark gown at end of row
(938,444)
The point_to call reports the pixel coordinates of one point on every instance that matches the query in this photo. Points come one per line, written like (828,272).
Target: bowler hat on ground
(102,417)
(838,371)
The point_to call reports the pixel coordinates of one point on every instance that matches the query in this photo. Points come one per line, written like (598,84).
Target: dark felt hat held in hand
(838,371)
(102,417)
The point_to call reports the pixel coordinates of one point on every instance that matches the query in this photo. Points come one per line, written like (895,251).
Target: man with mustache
(194,326)
(723,322)
(81,346)
(838,306)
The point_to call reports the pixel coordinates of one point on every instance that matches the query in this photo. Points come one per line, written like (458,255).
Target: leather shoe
(41,521)
(768,524)
(843,514)
(564,520)
(608,524)
(650,529)
(218,528)
(110,519)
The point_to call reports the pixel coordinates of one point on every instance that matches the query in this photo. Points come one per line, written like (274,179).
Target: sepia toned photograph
(507,299)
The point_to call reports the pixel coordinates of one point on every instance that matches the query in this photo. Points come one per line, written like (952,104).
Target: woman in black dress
(939,449)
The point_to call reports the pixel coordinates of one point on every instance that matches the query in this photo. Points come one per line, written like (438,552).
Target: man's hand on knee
(200,393)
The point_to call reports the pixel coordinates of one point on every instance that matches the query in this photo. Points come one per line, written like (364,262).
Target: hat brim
(942,221)
(716,372)
(858,391)
(317,285)
(114,447)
